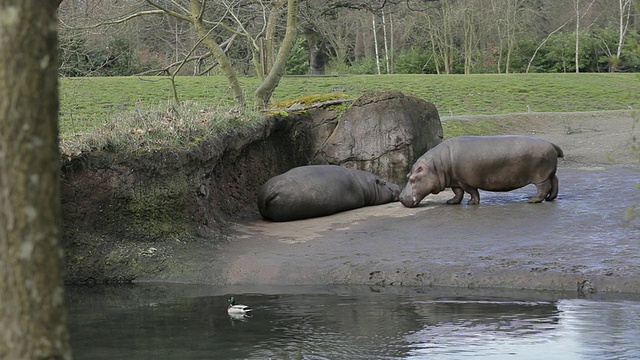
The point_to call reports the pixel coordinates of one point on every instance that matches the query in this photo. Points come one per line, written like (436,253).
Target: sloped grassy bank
(119,206)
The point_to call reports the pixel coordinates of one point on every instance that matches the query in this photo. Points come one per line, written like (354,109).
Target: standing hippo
(494,163)
(318,190)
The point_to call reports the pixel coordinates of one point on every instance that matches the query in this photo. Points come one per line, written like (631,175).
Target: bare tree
(330,34)
(32,306)
(509,17)
(194,12)
(217,21)
(442,22)
(386,39)
(577,9)
(624,15)
(375,42)
(344,27)
(470,34)
(579,14)
(542,44)
(265,90)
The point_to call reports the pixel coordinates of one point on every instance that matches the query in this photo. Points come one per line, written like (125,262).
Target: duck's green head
(232,300)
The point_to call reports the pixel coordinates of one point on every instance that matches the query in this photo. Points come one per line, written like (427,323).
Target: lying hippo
(494,163)
(318,190)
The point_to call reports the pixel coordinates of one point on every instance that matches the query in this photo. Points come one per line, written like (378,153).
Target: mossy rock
(281,108)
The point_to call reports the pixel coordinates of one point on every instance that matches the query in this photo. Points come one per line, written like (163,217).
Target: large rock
(383,133)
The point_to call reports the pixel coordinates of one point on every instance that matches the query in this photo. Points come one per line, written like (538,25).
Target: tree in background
(32,305)
(126,49)
(340,36)
(225,28)
(233,21)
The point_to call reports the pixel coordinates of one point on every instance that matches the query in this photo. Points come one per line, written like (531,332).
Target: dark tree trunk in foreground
(33,317)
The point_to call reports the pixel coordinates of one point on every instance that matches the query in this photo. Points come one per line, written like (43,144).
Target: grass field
(91,103)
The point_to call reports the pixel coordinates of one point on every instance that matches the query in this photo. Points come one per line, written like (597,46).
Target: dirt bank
(582,242)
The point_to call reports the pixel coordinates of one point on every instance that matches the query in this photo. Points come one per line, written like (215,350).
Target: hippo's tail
(560,153)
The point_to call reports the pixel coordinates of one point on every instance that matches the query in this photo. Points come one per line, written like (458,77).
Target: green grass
(95,104)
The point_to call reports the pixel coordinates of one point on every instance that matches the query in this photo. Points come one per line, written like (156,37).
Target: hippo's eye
(419,169)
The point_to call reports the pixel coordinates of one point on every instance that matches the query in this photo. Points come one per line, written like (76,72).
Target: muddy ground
(581,242)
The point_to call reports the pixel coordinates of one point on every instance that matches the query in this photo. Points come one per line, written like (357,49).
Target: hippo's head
(386,191)
(422,181)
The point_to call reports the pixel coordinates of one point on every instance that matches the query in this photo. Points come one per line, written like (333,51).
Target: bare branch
(542,43)
(204,5)
(166,69)
(169,12)
(179,6)
(184,61)
(117,21)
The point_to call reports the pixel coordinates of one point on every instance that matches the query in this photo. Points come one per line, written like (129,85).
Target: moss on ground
(308,100)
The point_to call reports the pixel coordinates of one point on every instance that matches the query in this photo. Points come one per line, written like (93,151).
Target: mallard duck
(236,310)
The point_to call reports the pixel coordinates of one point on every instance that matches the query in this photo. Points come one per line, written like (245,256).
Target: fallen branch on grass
(300,107)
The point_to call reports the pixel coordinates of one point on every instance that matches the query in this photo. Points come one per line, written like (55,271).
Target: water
(190,322)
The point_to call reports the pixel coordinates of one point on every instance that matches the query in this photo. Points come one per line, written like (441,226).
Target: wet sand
(579,242)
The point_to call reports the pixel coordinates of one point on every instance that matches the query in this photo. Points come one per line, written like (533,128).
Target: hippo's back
(502,163)
(309,191)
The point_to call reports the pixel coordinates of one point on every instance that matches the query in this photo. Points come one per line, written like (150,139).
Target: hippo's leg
(544,189)
(475,196)
(554,189)
(459,194)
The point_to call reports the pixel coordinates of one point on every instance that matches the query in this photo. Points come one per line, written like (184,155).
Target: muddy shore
(583,242)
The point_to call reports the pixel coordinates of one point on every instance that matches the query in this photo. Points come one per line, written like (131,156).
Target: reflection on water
(345,323)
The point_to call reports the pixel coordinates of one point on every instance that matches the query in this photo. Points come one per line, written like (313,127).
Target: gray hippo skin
(318,190)
(493,163)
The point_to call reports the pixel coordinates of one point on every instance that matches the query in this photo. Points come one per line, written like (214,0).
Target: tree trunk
(265,90)
(317,51)
(362,47)
(447,37)
(434,53)
(219,54)
(468,39)
(386,43)
(375,42)
(577,59)
(32,307)
(270,35)
(623,26)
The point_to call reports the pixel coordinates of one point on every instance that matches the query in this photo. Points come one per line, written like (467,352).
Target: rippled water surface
(148,322)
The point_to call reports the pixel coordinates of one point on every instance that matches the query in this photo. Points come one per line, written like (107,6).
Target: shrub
(79,58)
(298,62)
(415,61)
